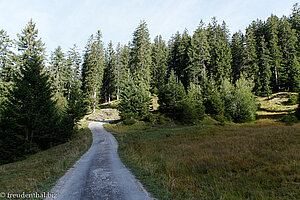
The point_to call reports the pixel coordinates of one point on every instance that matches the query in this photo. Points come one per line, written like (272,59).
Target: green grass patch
(209,161)
(39,172)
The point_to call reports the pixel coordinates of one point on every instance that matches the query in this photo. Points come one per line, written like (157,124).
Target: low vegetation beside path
(39,172)
(257,160)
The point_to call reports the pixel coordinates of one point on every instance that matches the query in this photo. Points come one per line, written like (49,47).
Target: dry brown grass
(250,161)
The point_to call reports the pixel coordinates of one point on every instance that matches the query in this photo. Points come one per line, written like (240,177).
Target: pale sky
(65,22)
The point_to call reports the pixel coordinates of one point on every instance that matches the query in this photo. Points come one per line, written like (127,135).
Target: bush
(129,121)
(289,119)
(298,109)
(214,105)
(293,100)
(243,105)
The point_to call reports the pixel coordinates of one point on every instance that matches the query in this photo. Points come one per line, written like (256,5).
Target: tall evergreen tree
(140,53)
(199,56)
(73,70)
(159,63)
(275,51)
(221,58)
(237,50)
(250,62)
(30,115)
(29,44)
(109,81)
(7,68)
(288,42)
(58,69)
(92,70)
(265,69)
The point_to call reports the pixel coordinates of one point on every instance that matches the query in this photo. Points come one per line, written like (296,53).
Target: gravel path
(99,173)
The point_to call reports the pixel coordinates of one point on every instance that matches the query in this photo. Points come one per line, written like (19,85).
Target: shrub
(243,105)
(293,99)
(298,109)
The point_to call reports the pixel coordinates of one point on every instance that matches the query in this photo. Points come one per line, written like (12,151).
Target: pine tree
(265,69)
(170,97)
(7,68)
(29,44)
(250,62)
(221,58)
(140,53)
(92,71)
(199,56)
(58,73)
(30,115)
(110,71)
(73,70)
(159,63)
(275,51)
(290,78)
(135,100)
(237,50)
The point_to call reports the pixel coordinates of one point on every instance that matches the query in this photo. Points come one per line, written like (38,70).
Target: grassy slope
(39,172)
(257,160)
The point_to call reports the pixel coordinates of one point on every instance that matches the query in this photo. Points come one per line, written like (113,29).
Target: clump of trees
(207,72)
(39,106)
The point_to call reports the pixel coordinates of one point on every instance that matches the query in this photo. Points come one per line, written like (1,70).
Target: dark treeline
(207,72)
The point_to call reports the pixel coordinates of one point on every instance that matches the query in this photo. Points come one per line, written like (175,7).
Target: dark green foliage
(140,54)
(298,109)
(170,97)
(199,57)
(159,63)
(110,72)
(237,50)
(243,104)
(30,111)
(178,57)
(264,69)
(221,58)
(73,113)
(92,70)
(215,106)
(7,68)
(134,102)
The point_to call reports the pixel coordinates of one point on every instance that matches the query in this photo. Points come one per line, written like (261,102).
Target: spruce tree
(250,62)
(275,51)
(199,56)
(135,100)
(140,53)
(58,72)
(110,71)
(30,115)
(290,63)
(171,96)
(92,70)
(265,69)
(221,58)
(7,68)
(237,50)
(159,63)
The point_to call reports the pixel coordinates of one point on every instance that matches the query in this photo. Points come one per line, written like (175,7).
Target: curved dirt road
(99,173)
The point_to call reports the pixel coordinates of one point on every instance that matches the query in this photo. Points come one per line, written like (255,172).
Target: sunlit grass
(257,160)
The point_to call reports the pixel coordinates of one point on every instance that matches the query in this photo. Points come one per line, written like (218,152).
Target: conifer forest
(206,72)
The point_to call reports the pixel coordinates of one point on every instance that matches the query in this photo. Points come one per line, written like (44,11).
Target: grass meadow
(257,160)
